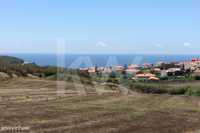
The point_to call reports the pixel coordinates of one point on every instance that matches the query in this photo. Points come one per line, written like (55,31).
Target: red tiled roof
(145,75)
(153,78)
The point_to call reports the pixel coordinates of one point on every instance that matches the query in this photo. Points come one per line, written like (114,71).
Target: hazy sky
(101,26)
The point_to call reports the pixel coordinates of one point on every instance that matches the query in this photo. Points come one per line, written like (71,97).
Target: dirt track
(34,103)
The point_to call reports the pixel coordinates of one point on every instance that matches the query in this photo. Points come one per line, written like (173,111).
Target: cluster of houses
(147,71)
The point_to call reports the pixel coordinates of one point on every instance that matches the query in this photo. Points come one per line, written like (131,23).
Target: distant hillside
(13,66)
(10,60)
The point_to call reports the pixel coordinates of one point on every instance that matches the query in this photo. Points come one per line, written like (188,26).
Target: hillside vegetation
(15,66)
(10,60)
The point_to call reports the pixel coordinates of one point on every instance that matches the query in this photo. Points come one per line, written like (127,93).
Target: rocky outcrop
(4,76)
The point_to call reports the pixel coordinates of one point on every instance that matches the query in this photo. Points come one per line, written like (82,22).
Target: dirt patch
(165,122)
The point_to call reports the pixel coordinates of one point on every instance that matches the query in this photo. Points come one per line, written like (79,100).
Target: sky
(100,26)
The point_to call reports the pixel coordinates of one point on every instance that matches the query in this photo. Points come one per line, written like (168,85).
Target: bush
(193,92)
(158,89)
(164,78)
(196,93)
(147,88)
(178,91)
(197,77)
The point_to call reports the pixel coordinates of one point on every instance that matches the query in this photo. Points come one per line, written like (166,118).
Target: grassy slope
(33,102)
(10,60)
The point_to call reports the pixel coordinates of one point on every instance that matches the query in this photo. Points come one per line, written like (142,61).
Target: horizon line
(84,53)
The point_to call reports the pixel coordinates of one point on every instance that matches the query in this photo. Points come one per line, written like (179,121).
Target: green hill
(10,60)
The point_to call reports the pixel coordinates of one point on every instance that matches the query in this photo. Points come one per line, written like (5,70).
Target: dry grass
(34,103)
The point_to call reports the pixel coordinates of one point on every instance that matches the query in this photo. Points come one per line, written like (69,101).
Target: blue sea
(88,60)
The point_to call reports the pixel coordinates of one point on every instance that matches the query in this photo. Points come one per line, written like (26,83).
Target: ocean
(101,60)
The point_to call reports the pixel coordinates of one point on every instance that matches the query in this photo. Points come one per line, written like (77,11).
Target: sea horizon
(75,60)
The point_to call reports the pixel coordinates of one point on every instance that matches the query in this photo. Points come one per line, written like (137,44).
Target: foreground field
(34,103)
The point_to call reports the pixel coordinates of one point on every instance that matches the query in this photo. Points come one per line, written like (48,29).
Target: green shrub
(158,88)
(164,78)
(193,92)
(178,91)
(197,77)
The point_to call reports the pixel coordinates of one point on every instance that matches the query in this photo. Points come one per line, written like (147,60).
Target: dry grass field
(34,103)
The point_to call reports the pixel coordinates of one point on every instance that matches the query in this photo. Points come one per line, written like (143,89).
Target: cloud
(187,44)
(102,44)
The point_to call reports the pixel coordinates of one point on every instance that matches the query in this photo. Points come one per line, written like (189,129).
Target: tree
(112,80)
